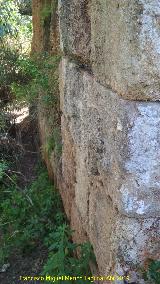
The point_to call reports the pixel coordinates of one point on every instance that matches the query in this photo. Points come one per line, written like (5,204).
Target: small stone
(5,267)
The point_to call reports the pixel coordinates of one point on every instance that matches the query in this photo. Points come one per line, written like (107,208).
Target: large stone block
(68,174)
(134,243)
(117,176)
(79,235)
(102,217)
(75,28)
(116,139)
(125,45)
(120,242)
(121,39)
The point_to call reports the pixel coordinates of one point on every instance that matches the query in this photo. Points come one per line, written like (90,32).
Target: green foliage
(45,13)
(12,23)
(27,215)
(54,143)
(3,122)
(54,5)
(34,214)
(47,10)
(9,18)
(3,168)
(42,89)
(61,259)
(15,38)
(153,272)
(9,68)
(43,84)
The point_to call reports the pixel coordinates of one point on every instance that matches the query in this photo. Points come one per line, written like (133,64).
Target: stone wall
(109,176)
(45,26)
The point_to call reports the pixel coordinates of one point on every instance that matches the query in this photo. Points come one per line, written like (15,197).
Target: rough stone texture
(68,169)
(117,167)
(46,39)
(54,29)
(109,172)
(44,132)
(79,235)
(120,38)
(45,26)
(37,40)
(64,177)
(117,139)
(75,28)
(126,46)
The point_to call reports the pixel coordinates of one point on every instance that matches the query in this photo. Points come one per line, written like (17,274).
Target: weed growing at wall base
(36,214)
(153,272)
(48,9)
(54,143)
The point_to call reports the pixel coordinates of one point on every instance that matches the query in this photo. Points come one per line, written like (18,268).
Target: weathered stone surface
(117,168)
(54,29)
(44,131)
(125,46)
(134,242)
(119,241)
(79,234)
(135,237)
(102,216)
(75,28)
(123,38)
(109,179)
(117,139)
(37,40)
(45,26)
(68,169)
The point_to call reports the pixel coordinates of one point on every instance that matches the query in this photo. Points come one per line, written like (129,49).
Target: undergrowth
(47,10)
(152,273)
(53,143)
(42,84)
(41,91)
(35,215)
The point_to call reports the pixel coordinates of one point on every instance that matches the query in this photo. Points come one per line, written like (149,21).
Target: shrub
(15,38)
(42,85)
(36,214)
(152,273)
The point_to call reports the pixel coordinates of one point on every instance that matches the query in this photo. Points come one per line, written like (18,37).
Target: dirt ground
(29,264)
